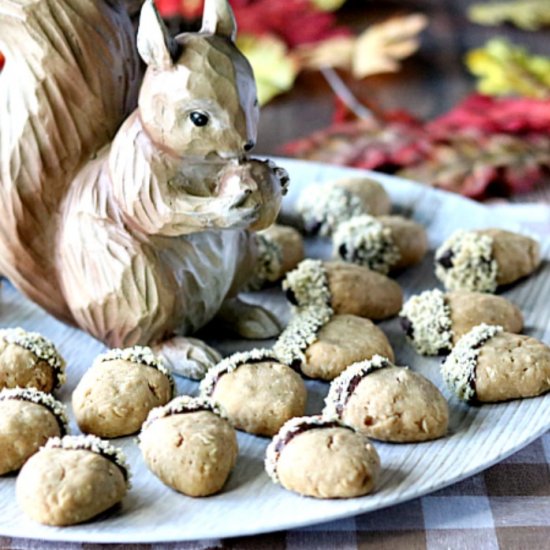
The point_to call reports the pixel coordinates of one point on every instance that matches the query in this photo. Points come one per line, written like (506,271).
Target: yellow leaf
(378,49)
(328,5)
(334,52)
(274,69)
(525,14)
(382,46)
(504,68)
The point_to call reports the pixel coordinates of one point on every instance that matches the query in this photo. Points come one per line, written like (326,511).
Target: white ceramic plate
(251,503)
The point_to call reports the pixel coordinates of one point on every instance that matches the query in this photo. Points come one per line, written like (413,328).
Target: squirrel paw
(188,357)
(249,321)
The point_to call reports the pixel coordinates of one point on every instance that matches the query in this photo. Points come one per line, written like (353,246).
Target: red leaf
(484,146)
(2,60)
(294,21)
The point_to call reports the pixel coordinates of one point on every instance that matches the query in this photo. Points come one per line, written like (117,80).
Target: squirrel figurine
(128,202)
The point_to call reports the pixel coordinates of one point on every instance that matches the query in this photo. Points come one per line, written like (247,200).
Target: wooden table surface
(430,83)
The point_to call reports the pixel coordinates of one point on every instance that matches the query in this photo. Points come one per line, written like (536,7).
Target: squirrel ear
(218,18)
(154,44)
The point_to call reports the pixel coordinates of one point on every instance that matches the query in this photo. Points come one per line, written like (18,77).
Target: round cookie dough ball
(344,340)
(383,244)
(256,392)
(189,447)
(28,418)
(116,394)
(28,360)
(324,208)
(72,480)
(485,259)
(489,365)
(322,459)
(388,403)
(349,289)
(435,321)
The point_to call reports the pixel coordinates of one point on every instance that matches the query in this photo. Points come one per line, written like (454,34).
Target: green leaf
(529,15)
(504,68)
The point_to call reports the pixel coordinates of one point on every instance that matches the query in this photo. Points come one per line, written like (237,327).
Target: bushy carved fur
(130,222)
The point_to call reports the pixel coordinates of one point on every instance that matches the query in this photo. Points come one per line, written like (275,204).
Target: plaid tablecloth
(506,507)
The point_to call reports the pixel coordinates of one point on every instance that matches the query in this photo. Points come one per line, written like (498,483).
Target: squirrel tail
(71,77)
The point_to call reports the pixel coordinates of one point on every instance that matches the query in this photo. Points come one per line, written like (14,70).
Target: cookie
(383,244)
(434,321)
(489,365)
(115,395)
(388,403)
(28,418)
(321,458)
(323,208)
(71,480)
(342,341)
(28,360)
(486,259)
(280,249)
(255,391)
(188,446)
(346,288)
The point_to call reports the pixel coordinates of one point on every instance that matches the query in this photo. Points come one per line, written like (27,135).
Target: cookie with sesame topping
(255,391)
(323,208)
(280,250)
(28,418)
(28,360)
(343,340)
(383,244)
(488,365)
(387,402)
(115,395)
(322,458)
(434,321)
(189,446)
(346,288)
(485,259)
(71,480)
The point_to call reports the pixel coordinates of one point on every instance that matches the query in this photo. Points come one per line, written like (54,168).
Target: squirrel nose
(249,145)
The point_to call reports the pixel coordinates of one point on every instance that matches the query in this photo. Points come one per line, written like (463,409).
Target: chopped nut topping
(465,262)
(459,369)
(366,241)
(430,318)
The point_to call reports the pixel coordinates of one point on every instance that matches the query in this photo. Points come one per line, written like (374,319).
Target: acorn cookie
(28,418)
(115,395)
(28,360)
(486,259)
(323,349)
(71,480)
(346,288)
(383,244)
(255,391)
(280,249)
(188,446)
(323,208)
(490,365)
(388,403)
(322,458)
(434,321)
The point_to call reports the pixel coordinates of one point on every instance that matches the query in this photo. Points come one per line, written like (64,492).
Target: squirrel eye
(198,118)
